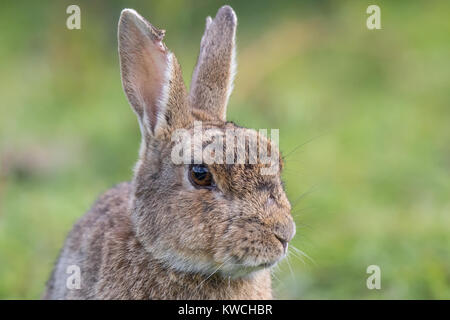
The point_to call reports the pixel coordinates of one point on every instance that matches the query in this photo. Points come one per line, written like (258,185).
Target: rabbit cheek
(193,225)
(252,242)
(240,247)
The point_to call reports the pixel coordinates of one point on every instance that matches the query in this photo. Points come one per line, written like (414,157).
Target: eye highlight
(200,176)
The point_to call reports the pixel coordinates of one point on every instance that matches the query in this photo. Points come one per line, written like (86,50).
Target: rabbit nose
(285,231)
(281,221)
(284,243)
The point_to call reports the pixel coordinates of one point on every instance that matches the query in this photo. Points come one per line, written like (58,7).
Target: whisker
(273,274)
(217,269)
(300,253)
(301,145)
(302,225)
(298,256)
(290,267)
(304,194)
(297,212)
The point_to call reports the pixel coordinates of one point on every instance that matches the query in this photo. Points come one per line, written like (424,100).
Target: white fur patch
(163,100)
(233,71)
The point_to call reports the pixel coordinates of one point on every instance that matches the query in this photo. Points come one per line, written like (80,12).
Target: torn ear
(151,75)
(212,80)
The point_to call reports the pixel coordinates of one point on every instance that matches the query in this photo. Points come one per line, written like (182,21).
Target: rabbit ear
(151,75)
(212,80)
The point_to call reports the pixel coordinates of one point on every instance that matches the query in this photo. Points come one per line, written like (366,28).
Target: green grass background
(369,110)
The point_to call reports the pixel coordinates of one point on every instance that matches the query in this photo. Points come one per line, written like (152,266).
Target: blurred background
(364,119)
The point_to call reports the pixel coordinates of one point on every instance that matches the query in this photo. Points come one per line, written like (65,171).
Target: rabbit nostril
(284,243)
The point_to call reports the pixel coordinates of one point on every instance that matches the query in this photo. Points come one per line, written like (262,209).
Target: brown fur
(213,75)
(159,237)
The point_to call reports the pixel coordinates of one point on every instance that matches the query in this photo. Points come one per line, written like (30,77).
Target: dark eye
(200,176)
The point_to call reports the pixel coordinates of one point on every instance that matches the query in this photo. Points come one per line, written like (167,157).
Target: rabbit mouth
(236,266)
(246,271)
(243,270)
(267,265)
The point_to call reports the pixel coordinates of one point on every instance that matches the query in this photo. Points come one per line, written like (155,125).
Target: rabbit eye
(200,176)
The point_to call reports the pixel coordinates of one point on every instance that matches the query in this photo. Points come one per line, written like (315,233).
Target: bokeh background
(364,119)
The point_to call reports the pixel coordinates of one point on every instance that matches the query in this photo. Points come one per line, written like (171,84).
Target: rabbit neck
(182,285)
(142,276)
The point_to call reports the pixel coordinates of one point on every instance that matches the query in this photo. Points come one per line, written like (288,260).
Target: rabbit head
(195,216)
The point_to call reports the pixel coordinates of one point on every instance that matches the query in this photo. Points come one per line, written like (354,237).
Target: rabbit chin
(245,272)
(227,269)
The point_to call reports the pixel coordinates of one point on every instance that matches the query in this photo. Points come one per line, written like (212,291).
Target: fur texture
(159,237)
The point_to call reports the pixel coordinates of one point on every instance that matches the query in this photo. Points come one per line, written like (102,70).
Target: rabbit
(179,231)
